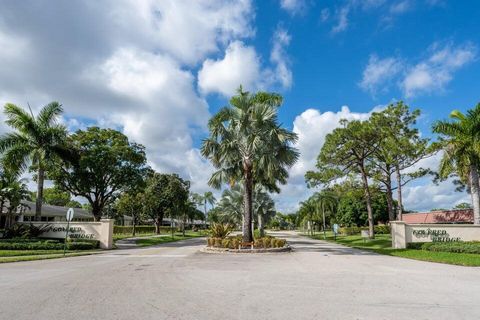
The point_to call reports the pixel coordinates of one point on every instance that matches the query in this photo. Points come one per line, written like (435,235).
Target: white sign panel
(70,213)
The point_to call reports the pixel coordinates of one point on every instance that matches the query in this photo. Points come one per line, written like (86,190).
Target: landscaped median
(458,253)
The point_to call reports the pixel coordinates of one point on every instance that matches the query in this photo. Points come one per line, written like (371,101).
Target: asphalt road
(175,281)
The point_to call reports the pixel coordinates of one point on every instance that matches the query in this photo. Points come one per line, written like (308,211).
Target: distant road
(318,280)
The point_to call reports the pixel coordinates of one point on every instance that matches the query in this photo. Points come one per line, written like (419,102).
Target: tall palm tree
(208,198)
(34,141)
(247,144)
(460,139)
(325,202)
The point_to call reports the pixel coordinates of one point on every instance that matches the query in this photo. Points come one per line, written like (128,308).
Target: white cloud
(428,75)
(379,72)
(311,126)
(400,7)
(240,66)
(342,20)
(279,58)
(434,73)
(293,6)
(126,64)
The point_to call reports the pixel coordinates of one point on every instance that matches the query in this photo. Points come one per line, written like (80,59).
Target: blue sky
(157,70)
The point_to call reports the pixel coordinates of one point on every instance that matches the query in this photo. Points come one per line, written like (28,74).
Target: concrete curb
(287,248)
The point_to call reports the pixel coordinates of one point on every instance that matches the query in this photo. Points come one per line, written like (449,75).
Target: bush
(139,229)
(220,230)
(81,245)
(235,242)
(456,247)
(350,231)
(93,243)
(23,230)
(32,245)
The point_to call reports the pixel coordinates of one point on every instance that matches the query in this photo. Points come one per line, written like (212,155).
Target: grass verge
(382,245)
(30,255)
(168,238)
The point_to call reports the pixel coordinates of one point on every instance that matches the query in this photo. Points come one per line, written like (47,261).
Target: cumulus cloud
(311,126)
(126,64)
(431,74)
(240,66)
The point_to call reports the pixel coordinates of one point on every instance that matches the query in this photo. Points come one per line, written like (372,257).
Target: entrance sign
(403,233)
(101,230)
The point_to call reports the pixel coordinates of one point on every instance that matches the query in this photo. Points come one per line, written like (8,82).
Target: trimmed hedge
(235,242)
(455,247)
(138,229)
(350,231)
(25,244)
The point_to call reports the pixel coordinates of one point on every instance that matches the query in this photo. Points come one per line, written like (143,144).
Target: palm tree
(307,212)
(460,139)
(12,191)
(34,141)
(231,205)
(247,144)
(325,202)
(264,207)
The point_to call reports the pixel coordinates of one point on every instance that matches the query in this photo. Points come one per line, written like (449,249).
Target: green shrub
(81,245)
(94,243)
(37,245)
(24,230)
(456,247)
(350,231)
(416,245)
(139,229)
(220,230)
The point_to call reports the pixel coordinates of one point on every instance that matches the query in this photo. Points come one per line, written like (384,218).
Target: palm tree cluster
(316,209)
(230,207)
(247,145)
(460,141)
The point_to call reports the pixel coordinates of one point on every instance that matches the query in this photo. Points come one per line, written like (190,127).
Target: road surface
(175,281)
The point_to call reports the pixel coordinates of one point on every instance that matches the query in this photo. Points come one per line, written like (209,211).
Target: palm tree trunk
(39,200)
(247,202)
(399,193)
(260,225)
(475,192)
(368,199)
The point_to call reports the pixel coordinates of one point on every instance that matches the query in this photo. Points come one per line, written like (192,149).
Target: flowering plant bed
(235,244)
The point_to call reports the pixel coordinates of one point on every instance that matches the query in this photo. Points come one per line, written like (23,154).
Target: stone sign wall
(403,233)
(101,231)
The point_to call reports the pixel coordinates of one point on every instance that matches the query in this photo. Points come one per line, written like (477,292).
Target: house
(443,216)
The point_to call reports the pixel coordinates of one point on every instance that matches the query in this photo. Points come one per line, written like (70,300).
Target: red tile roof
(447,216)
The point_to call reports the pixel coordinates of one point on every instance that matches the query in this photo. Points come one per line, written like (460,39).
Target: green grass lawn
(382,245)
(28,255)
(122,236)
(168,238)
